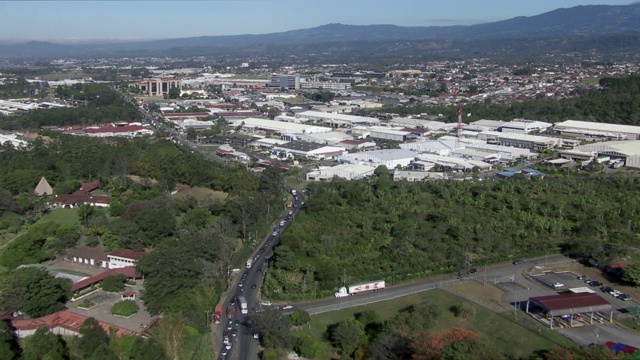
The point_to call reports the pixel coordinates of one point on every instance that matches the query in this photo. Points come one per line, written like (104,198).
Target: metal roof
(587,125)
(575,303)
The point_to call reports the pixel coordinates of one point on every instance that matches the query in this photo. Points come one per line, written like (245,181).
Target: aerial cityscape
(372,180)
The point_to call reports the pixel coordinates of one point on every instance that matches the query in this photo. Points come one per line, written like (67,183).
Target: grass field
(515,339)
(62,216)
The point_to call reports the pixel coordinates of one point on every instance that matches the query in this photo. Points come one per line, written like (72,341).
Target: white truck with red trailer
(359,288)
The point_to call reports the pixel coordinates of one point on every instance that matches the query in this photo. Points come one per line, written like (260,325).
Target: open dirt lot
(199,193)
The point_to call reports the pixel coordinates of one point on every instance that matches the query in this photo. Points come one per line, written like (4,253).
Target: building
(82,195)
(391,158)
(521,126)
(344,171)
(88,256)
(43,188)
(123,258)
(439,147)
(158,86)
(627,150)
(283,81)
(488,125)
(569,309)
(128,271)
(382,133)
(454,163)
(534,142)
(308,149)
(337,120)
(413,176)
(63,323)
(325,85)
(350,144)
(253,124)
(588,129)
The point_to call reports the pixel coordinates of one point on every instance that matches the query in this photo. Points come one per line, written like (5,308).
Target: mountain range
(576,22)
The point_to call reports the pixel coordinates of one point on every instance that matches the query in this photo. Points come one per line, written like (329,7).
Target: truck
(243,305)
(217,314)
(359,288)
(293,192)
(249,262)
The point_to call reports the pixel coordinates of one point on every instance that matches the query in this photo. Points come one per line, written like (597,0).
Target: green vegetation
(125,308)
(353,231)
(618,102)
(62,216)
(114,283)
(395,324)
(41,242)
(32,291)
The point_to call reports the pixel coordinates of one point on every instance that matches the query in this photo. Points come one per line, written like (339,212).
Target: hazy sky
(83,20)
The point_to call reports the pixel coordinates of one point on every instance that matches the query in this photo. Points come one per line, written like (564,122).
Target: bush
(125,308)
(465,310)
(86,304)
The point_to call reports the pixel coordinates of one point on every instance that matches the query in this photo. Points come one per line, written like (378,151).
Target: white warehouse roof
(345,171)
(604,127)
(340,117)
(281,126)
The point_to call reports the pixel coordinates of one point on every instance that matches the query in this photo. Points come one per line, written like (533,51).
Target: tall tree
(92,337)
(9,347)
(43,344)
(347,335)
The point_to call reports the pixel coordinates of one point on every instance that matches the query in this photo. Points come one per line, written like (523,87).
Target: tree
(632,274)
(430,346)
(148,349)
(114,283)
(92,337)
(300,317)
(33,291)
(7,203)
(174,93)
(9,347)
(43,344)
(85,210)
(274,327)
(198,218)
(192,134)
(273,112)
(390,346)
(347,335)
(307,347)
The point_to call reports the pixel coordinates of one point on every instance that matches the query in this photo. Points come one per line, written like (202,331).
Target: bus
(243,305)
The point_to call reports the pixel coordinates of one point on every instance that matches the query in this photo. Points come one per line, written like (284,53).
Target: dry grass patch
(199,193)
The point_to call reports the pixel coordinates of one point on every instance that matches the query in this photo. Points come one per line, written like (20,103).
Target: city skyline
(79,21)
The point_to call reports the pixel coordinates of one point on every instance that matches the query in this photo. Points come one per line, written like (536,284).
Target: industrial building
(278,126)
(521,126)
(422,124)
(336,120)
(344,171)
(597,130)
(438,147)
(329,137)
(624,149)
(382,133)
(456,164)
(308,149)
(390,158)
(534,142)
(488,125)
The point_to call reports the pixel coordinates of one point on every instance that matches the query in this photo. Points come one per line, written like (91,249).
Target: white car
(266,303)
(558,285)
(287,307)
(256,335)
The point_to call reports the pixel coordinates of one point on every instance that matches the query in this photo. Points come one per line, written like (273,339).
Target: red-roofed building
(238,114)
(90,186)
(71,200)
(129,272)
(62,323)
(570,305)
(88,256)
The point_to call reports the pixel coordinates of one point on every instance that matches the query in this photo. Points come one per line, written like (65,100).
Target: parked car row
(615,293)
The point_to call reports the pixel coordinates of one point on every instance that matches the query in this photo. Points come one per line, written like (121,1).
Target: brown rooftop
(568,301)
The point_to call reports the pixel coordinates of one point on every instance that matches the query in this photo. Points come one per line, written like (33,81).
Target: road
(248,284)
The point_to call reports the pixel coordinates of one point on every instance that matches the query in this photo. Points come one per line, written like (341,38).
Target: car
(290,212)
(615,293)
(472,271)
(518,262)
(594,283)
(256,335)
(228,346)
(254,286)
(266,303)
(232,302)
(558,285)
(241,284)
(276,307)
(275,233)
(229,326)
(234,333)
(606,289)
(237,322)
(224,351)
(583,278)
(226,340)
(287,307)
(624,297)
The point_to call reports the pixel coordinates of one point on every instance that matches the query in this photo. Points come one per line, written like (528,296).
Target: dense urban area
(268,207)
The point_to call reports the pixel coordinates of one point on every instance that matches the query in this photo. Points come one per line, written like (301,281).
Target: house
(88,256)
(129,272)
(82,195)
(124,258)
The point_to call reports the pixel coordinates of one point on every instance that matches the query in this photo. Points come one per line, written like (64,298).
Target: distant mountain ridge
(590,20)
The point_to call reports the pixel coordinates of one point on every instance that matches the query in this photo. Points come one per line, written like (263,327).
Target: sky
(75,21)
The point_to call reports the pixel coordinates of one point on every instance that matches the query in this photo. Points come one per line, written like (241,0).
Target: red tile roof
(128,293)
(90,186)
(88,253)
(128,271)
(567,301)
(353,142)
(67,320)
(70,199)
